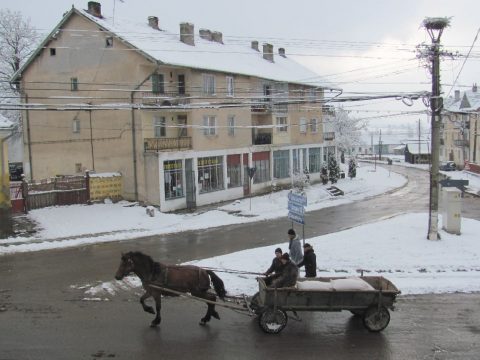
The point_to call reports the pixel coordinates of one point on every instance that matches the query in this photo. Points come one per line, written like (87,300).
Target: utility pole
(434,27)
(419,138)
(380,146)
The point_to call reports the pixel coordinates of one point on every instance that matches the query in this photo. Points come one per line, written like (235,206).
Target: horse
(181,278)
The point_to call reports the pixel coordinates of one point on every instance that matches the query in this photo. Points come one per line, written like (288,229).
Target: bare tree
(347,130)
(17,42)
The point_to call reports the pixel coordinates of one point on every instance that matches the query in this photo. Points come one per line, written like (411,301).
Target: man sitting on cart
(275,268)
(289,274)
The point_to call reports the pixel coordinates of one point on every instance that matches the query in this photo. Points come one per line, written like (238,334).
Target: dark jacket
(288,277)
(310,263)
(276,266)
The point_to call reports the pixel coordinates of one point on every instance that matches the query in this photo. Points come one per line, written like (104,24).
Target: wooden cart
(271,304)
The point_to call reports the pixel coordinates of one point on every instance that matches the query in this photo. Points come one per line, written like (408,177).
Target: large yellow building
(180,115)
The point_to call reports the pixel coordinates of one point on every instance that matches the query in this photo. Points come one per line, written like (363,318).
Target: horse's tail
(217,284)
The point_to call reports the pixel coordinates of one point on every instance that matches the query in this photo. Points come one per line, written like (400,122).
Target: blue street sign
(298,199)
(296,217)
(295,208)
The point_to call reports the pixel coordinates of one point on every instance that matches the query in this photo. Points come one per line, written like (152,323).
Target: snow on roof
(229,57)
(416,148)
(469,101)
(5,124)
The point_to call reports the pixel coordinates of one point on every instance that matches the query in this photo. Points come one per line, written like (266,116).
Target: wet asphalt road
(43,317)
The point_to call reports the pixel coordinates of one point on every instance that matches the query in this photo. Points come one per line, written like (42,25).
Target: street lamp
(434,27)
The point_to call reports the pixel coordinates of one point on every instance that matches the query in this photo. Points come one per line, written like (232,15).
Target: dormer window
(109,42)
(53,51)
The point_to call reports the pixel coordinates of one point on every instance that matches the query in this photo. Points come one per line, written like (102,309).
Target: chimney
(255,45)
(268,52)
(281,52)
(217,36)
(95,9)
(186,34)
(205,34)
(153,22)
(474,88)
(457,94)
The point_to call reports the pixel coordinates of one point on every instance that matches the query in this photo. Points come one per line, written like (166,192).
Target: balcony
(168,144)
(461,143)
(327,136)
(262,139)
(165,98)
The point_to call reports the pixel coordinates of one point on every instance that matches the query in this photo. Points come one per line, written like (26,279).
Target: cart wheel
(376,319)
(272,322)
(358,312)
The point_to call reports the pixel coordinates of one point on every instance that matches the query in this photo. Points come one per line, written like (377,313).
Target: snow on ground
(395,248)
(74,225)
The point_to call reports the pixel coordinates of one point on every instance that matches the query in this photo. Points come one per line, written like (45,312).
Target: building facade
(181,116)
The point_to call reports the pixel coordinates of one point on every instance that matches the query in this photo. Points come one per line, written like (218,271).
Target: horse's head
(126,266)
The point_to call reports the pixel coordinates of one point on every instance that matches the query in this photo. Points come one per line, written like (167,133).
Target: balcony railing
(262,139)
(165,98)
(165,144)
(329,135)
(461,143)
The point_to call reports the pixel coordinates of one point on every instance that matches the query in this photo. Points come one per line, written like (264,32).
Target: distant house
(417,152)
(461,126)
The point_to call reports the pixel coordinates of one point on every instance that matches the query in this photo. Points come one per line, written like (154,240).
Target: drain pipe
(134,132)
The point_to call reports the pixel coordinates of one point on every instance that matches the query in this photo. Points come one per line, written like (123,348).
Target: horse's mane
(138,255)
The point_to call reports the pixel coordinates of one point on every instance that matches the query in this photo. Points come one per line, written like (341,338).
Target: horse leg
(146,307)
(210,307)
(158,306)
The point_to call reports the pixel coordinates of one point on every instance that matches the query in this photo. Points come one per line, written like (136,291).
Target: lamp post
(434,27)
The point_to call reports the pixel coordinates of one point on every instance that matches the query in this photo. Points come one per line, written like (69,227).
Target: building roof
(5,124)
(470,101)
(414,148)
(164,47)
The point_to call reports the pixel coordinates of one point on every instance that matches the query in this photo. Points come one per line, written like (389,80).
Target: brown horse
(188,278)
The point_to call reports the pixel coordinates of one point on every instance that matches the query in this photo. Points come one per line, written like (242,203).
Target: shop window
(234,172)
(210,174)
(173,179)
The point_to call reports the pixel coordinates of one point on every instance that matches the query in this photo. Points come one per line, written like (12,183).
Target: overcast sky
(363,46)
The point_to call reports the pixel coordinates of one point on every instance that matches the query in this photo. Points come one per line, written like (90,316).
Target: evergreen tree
(352,168)
(333,168)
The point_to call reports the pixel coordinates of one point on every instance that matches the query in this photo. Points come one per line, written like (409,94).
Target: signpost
(251,173)
(296,210)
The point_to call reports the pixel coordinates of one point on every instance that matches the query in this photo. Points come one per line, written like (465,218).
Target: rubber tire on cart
(376,319)
(272,322)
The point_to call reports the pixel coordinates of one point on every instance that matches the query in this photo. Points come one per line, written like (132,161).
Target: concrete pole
(436,105)
(6,224)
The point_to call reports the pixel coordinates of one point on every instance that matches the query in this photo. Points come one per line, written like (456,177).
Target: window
(314,160)
(231,125)
(234,172)
(173,179)
(53,51)
(182,125)
(159,128)
(261,161)
(209,125)
(296,160)
(74,84)
(281,164)
(282,124)
(158,85)
(109,42)
(181,84)
(303,125)
(210,174)
(208,84)
(78,167)
(76,126)
(314,125)
(230,86)
(304,160)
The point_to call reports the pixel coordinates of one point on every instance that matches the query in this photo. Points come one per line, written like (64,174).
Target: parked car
(448,166)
